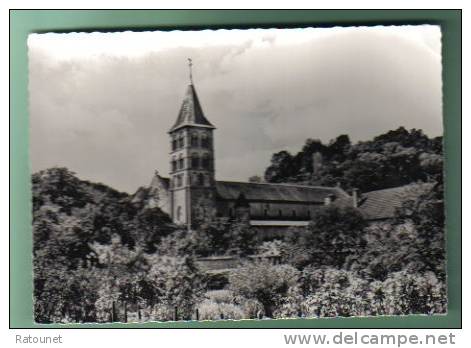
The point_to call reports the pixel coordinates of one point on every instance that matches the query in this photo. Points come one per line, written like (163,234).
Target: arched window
(280,213)
(195,161)
(179,213)
(194,140)
(293,212)
(200,179)
(265,212)
(206,161)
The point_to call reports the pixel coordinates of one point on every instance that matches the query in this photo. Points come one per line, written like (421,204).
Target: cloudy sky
(101,103)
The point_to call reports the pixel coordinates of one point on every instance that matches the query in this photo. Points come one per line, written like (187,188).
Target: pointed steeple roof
(191,113)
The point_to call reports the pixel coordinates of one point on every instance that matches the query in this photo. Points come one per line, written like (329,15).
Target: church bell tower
(192,180)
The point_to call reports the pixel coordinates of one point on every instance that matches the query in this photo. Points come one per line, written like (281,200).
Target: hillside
(91,212)
(395,158)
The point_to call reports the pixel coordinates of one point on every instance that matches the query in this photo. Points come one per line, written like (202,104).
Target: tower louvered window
(174,164)
(195,161)
(204,142)
(194,140)
(200,179)
(206,161)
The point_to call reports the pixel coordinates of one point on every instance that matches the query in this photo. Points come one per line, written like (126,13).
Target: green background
(23,22)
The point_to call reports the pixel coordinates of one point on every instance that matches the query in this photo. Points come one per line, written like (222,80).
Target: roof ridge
(400,187)
(279,184)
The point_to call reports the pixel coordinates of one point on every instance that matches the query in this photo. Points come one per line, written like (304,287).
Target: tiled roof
(374,205)
(382,204)
(230,190)
(191,113)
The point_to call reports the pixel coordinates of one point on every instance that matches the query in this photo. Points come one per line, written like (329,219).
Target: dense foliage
(101,256)
(392,159)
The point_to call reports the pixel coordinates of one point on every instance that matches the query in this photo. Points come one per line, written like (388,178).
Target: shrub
(264,282)
(406,293)
(332,292)
(252,308)
(220,296)
(210,310)
(177,284)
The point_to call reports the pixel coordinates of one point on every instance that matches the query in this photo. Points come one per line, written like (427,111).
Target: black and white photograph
(237,174)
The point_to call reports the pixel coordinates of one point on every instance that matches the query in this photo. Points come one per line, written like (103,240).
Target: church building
(191,191)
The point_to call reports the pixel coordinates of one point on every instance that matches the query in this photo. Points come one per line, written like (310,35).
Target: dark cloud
(106,115)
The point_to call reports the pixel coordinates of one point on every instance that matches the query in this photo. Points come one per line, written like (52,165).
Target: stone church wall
(159,194)
(275,211)
(179,206)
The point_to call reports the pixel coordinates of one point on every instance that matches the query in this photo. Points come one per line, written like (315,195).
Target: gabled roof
(191,113)
(231,190)
(382,204)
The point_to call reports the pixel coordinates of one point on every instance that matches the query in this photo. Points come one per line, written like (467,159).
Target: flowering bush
(210,310)
(220,296)
(406,293)
(264,282)
(333,292)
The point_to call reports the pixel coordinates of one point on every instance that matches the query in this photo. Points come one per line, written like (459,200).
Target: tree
(60,187)
(178,286)
(365,175)
(183,243)
(333,234)
(397,157)
(280,168)
(62,295)
(243,238)
(332,292)
(124,272)
(390,248)
(406,293)
(427,214)
(339,147)
(269,284)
